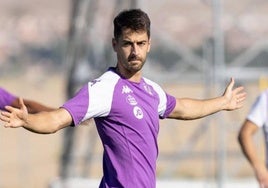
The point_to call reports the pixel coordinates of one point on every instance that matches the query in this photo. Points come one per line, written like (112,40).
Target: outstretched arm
(245,138)
(8,99)
(42,123)
(189,109)
(32,106)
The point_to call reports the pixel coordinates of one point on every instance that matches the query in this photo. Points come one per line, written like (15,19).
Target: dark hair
(134,19)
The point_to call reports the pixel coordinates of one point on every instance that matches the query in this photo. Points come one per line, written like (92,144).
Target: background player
(256,119)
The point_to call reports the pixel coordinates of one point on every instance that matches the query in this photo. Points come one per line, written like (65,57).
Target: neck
(131,76)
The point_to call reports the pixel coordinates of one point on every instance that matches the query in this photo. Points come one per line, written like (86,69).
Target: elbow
(53,131)
(44,131)
(56,128)
(242,136)
(48,130)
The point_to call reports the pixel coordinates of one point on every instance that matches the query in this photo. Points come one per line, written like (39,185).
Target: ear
(114,44)
(149,46)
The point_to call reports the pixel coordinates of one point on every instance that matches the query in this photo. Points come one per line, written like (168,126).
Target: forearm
(47,122)
(249,149)
(40,123)
(189,109)
(35,108)
(32,106)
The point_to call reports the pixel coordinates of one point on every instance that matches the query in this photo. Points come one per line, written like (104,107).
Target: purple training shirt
(6,98)
(127,119)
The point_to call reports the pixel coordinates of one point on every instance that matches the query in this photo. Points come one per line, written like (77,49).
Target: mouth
(134,63)
(134,60)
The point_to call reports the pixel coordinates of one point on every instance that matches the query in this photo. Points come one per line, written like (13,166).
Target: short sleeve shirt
(259,111)
(6,98)
(127,119)
(259,116)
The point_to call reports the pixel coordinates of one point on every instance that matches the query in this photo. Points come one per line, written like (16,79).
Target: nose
(135,49)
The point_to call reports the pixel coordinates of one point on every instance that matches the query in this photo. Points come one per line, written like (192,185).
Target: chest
(135,103)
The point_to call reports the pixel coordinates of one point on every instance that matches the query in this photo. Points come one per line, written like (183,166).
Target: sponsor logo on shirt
(126,89)
(95,81)
(138,112)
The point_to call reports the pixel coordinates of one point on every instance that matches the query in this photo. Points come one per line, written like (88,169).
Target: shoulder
(155,86)
(265,92)
(152,83)
(107,79)
(260,106)
(103,85)
(263,97)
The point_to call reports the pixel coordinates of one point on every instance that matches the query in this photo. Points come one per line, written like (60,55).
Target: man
(257,118)
(8,99)
(126,108)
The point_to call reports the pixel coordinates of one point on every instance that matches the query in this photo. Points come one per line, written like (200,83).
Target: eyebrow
(129,41)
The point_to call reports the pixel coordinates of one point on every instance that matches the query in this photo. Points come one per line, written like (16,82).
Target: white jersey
(259,116)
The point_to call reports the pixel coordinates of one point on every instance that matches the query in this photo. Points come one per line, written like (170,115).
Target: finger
(239,103)
(7,125)
(232,80)
(21,102)
(241,100)
(240,94)
(240,97)
(5,119)
(5,114)
(231,84)
(9,108)
(239,90)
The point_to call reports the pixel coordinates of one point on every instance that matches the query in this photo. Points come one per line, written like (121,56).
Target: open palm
(15,117)
(234,98)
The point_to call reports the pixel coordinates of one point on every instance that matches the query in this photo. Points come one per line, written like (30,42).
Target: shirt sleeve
(78,105)
(169,106)
(6,98)
(92,100)
(167,102)
(259,110)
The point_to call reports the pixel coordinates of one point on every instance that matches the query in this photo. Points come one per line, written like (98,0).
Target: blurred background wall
(50,48)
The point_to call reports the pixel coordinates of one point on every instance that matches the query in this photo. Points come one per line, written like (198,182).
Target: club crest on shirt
(138,112)
(131,100)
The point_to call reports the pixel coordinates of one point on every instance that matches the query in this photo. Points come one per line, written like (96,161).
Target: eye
(143,43)
(126,44)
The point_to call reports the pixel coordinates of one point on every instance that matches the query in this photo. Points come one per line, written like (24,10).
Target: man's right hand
(15,117)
